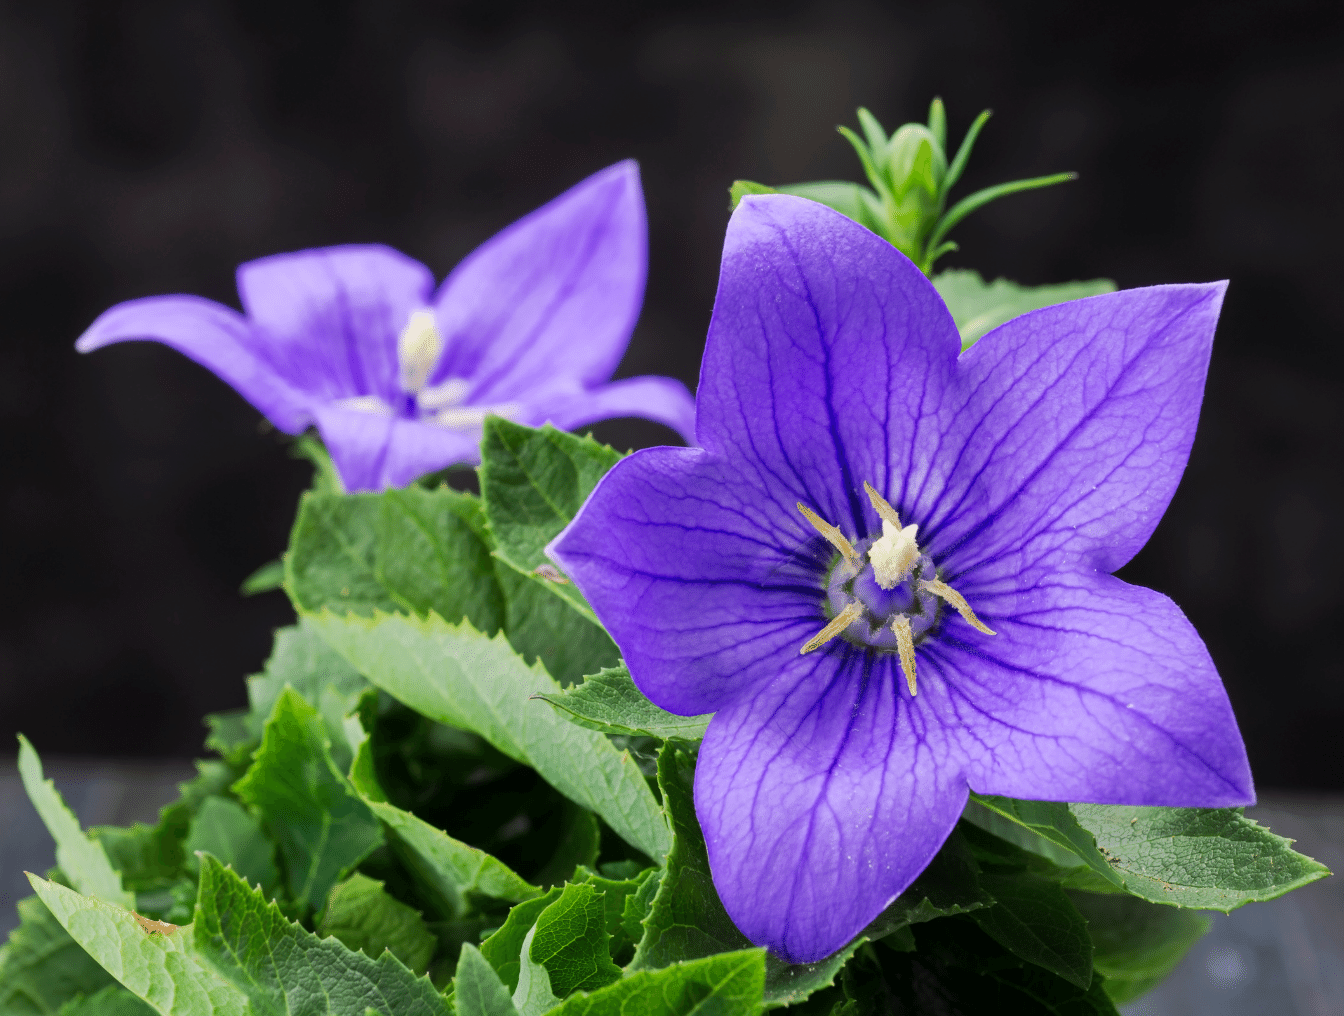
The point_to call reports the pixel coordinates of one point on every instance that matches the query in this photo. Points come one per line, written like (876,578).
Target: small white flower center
(419,347)
(894,554)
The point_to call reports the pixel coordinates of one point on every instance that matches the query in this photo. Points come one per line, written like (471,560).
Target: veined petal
(1077,425)
(704,580)
(828,361)
(822,798)
(372,452)
(216,337)
(555,295)
(1092,690)
(662,399)
(331,316)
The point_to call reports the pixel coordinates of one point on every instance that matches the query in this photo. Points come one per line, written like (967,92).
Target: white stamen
(370,404)
(894,554)
(418,349)
(905,645)
(941,589)
(443,395)
(839,623)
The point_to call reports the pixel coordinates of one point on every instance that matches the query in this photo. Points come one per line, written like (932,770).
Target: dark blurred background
(149,147)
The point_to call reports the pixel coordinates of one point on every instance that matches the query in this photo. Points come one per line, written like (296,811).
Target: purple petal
(549,302)
(696,571)
(1077,425)
(828,358)
(374,452)
(821,799)
(331,316)
(662,399)
(213,335)
(1091,690)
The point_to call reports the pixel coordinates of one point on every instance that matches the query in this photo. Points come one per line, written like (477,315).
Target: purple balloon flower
(398,377)
(887,568)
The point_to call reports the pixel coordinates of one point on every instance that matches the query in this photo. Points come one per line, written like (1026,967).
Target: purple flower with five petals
(398,377)
(887,569)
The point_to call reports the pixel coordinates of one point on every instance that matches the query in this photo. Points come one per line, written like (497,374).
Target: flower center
(884,593)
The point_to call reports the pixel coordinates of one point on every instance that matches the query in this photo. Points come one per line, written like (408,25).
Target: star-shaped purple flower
(398,377)
(887,568)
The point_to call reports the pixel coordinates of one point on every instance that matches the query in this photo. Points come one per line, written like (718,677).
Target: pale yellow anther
(419,347)
(833,535)
(894,554)
(839,623)
(942,590)
(880,505)
(905,645)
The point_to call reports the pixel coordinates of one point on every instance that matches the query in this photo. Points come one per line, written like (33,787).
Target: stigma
(884,593)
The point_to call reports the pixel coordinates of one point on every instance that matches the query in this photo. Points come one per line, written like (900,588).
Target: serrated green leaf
(41,966)
(477,989)
(533,482)
(322,827)
(159,966)
(1203,858)
(449,869)
(285,970)
(458,676)
(147,857)
(503,948)
(726,984)
(113,1000)
(1136,943)
(409,549)
(533,995)
(979,307)
(364,916)
(615,893)
(1051,822)
(542,626)
(1033,918)
(570,940)
(82,858)
(608,701)
(228,831)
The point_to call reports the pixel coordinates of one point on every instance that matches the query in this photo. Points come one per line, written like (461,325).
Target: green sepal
(364,916)
(321,825)
(608,701)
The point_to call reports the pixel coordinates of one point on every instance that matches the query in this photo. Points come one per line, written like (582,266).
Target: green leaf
(1206,859)
(741,188)
(302,660)
(542,626)
(608,701)
(365,917)
(687,921)
(284,969)
(477,989)
(726,984)
(615,894)
(446,868)
(156,963)
(851,199)
(82,858)
(458,676)
(950,885)
(979,307)
(1051,822)
(503,948)
(1033,918)
(570,940)
(980,198)
(533,995)
(147,857)
(532,483)
(322,827)
(410,549)
(1137,943)
(42,966)
(113,1000)
(224,828)
(269,576)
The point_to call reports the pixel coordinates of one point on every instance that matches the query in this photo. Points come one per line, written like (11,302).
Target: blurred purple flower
(397,377)
(956,626)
